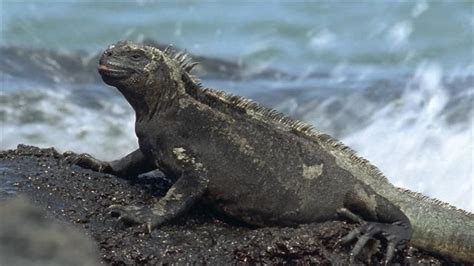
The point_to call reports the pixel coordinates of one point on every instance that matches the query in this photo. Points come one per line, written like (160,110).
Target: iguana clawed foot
(86,160)
(397,235)
(136,215)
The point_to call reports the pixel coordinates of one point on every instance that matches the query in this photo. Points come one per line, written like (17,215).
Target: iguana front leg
(131,165)
(182,195)
(379,217)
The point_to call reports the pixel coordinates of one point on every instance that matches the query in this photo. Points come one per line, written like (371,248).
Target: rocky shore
(74,198)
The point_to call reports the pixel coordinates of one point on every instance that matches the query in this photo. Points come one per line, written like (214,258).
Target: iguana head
(143,74)
(126,64)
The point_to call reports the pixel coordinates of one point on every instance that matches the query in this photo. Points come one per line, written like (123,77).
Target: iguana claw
(396,235)
(85,160)
(136,215)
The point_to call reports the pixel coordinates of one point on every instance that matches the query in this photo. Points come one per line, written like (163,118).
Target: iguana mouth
(112,71)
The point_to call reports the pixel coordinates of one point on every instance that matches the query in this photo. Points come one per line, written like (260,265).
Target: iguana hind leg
(378,217)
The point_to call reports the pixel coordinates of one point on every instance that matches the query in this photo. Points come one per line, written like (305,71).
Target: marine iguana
(258,165)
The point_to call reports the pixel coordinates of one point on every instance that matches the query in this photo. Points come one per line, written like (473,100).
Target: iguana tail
(437,226)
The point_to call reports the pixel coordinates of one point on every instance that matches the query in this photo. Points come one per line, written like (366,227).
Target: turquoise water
(394,34)
(394,80)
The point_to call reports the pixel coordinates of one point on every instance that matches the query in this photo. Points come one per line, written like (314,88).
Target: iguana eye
(136,56)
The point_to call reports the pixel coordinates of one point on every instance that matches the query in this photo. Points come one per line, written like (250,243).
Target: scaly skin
(257,165)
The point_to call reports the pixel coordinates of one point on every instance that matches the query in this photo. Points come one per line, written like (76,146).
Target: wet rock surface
(80,197)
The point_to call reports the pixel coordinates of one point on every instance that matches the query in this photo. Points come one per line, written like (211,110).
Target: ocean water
(393,80)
